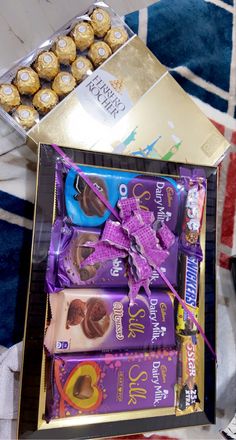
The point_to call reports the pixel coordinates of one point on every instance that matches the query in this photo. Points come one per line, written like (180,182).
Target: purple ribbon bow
(135,239)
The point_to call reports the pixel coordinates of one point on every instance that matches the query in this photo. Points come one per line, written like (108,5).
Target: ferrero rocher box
(131,105)
(94,85)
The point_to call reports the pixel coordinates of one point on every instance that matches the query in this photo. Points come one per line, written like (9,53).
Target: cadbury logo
(106,96)
(191,281)
(163,308)
(170,194)
(163,373)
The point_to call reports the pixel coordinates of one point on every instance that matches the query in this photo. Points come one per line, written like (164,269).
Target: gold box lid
(131,105)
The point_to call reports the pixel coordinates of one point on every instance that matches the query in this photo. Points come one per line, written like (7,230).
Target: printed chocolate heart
(81,390)
(83,387)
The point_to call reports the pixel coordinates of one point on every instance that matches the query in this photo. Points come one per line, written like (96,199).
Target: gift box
(122,101)
(67,395)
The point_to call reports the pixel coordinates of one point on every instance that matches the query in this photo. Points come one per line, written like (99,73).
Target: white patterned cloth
(10,366)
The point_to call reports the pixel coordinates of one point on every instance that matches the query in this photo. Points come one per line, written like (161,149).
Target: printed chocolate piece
(81,68)
(83,388)
(111,382)
(101,22)
(65,49)
(99,52)
(187,389)
(116,37)
(27,81)
(76,313)
(93,319)
(89,202)
(87,272)
(68,251)
(83,35)
(44,100)
(189,293)
(81,253)
(9,97)
(97,320)
(26,116)
(47,65)
(63,83)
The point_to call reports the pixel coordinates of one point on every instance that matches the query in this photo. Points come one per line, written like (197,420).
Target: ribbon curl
(134,239)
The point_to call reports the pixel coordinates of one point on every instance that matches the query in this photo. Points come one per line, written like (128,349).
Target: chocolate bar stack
(97,339)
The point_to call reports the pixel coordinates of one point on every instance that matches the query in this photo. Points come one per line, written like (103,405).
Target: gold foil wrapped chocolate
(26,116)
(65,49)
(188,375)
(47,65)
(27,81)
(44,100)
(63,83)
(99,52)
(83,35)
(101,22)
(9,97)
(116,37)
(81,67)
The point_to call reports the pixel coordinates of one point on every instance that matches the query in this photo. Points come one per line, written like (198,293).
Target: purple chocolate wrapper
(91,320)
(67,252)
(112,382)
(195,183)
(159,194)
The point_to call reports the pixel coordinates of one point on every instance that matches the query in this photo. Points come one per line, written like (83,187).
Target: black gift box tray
(37,301)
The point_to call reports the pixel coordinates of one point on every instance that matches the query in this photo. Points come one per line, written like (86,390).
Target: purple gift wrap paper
(112,382)
(92,319)
(67,252)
